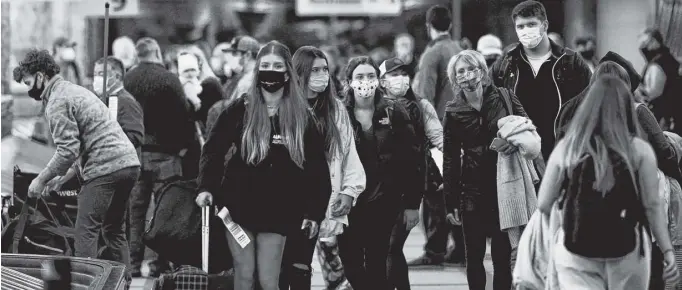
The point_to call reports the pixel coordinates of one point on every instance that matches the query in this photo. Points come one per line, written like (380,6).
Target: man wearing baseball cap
(240,62)
(490,46)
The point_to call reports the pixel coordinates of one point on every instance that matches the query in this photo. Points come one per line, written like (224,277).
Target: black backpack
(598,225)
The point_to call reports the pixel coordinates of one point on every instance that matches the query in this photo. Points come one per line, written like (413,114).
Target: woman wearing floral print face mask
(395,81)
(469,126)
(387,146)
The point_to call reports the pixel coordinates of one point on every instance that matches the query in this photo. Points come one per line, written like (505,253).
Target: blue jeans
(263,255)
(101,212)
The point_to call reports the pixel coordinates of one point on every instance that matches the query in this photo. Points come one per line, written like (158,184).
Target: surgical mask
(271,80)
(98,85)
(192,86)
(530,37)
(469,81)
(318,83)
(217,65)
(36,92)
(364,88)
(397,86)
(235,65)
(67,54)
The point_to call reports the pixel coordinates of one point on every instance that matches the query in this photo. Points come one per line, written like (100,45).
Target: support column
(580,20)
(456,12)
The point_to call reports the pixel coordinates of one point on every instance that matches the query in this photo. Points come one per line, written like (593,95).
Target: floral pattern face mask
(364,88)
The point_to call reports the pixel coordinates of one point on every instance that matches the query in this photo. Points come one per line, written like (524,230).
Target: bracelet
(668,250)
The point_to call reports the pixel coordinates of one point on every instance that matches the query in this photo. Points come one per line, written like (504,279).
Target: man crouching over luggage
(83,130)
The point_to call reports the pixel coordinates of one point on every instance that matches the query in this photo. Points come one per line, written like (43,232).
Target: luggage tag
(236,230)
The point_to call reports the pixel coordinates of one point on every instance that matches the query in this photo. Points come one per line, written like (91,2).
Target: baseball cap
(245,44)
(390,65)
(489,44)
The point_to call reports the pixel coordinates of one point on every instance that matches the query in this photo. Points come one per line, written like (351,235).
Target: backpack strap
(507,100)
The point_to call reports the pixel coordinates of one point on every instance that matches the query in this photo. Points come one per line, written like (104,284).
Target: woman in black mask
(277,183)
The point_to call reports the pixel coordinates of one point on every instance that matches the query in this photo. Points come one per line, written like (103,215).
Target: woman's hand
(204,199)
(454,218)
(411,218)
(671,274)
(342,205)
(310,227)
(507,149)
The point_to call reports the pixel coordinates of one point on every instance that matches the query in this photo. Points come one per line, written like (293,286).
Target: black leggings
(296,262)
(398,272)
(478,223)
(364,245)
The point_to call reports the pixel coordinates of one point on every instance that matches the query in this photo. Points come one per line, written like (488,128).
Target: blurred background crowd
(351,30)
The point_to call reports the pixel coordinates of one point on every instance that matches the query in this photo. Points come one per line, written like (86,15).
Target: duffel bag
(174,231)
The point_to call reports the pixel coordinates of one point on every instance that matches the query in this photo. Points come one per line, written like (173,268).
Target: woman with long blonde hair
(610,200)
(277,183)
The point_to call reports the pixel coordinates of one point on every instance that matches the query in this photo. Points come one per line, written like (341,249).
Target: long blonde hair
(605,121)
(293,114)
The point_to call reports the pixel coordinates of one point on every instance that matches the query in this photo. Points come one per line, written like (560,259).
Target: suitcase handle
(205,220)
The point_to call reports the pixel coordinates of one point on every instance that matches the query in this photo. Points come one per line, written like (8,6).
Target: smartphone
(498,143)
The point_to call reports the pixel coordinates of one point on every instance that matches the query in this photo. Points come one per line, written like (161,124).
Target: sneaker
(424,261)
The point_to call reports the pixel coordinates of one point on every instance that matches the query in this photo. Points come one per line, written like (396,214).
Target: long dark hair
(353,63)
(326,106)
(293,114)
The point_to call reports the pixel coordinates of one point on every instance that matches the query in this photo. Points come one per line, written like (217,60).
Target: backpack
(598,225)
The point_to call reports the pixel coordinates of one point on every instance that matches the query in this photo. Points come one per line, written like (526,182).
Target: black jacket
(571,73)
(274,195)
(398,153)
(409,102)
(472,176)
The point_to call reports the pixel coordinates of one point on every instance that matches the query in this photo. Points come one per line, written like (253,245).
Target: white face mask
(396,86)
(98,85)
(530,37)
(364,88)
(67,54)
(235,65)
(318,83)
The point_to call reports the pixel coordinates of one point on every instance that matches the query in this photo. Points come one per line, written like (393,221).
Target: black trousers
(297,262)
(364,245)
(398,272)
(437,229)
(481,220)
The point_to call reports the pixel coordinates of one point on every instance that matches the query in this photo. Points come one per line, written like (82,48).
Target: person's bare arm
(550,188)
(648,184)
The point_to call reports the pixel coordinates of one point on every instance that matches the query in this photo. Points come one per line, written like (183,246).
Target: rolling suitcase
(187,277)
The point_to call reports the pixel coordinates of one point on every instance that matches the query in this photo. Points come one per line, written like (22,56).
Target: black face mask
(491,60)
(587,54)
(35,92)
(271,80)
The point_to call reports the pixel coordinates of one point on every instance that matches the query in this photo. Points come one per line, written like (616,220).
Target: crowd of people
(539,147)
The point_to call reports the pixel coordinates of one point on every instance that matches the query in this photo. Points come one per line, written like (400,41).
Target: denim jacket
(346,172)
